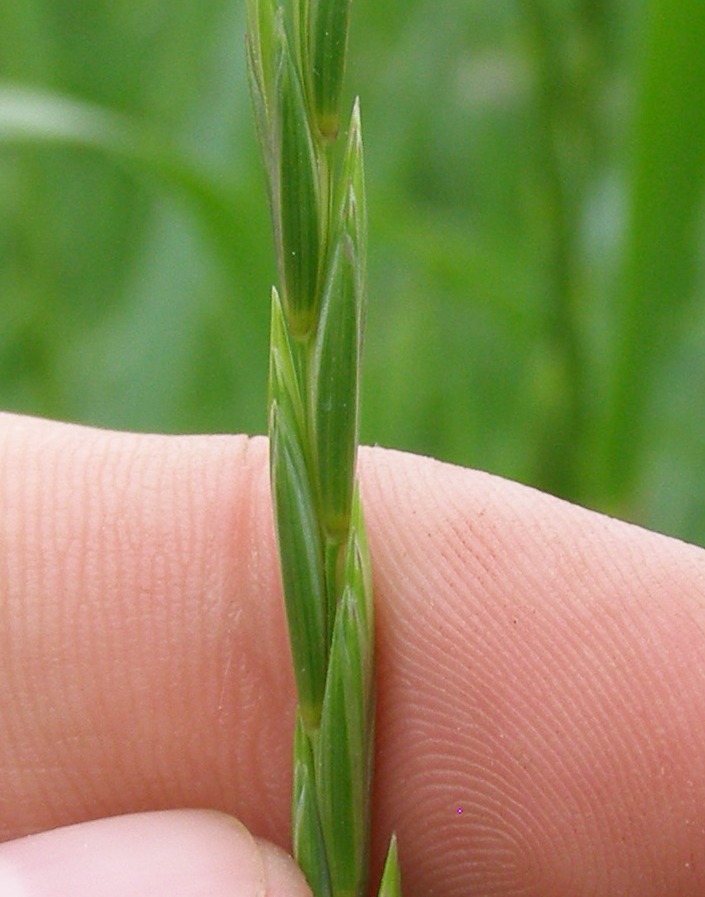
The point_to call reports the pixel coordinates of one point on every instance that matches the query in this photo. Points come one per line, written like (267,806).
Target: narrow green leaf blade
(29,116)
(661,255)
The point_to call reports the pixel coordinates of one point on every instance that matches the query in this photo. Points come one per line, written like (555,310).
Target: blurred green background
(537,273)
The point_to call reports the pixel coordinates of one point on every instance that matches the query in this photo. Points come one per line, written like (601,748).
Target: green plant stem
(559,465)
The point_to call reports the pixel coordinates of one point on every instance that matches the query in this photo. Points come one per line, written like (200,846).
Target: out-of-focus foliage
(537,286)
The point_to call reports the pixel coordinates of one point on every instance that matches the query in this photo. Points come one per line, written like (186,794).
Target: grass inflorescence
(315,180)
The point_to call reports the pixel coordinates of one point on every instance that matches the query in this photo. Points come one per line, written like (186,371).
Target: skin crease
(541,668)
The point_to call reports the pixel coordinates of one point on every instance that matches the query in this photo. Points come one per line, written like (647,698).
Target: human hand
(541,678)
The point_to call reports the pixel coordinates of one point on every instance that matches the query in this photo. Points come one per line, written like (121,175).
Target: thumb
(174,853)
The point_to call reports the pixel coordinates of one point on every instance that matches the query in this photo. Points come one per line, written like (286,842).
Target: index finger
(540,667)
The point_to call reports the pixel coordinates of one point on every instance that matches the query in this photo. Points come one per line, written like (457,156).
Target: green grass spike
(296,58)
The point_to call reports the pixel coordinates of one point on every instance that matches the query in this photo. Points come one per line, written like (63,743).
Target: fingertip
(540,688)
(282,877)
(178,853)
(139,583)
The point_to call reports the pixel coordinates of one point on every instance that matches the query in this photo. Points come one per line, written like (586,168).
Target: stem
(559,464)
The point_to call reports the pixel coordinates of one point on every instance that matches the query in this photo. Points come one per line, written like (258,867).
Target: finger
(537,729)
(178,853)
(543,701)
(143,651)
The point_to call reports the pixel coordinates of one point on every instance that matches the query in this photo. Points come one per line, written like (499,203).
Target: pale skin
(541,696)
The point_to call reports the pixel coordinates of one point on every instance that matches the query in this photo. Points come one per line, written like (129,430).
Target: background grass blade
(32,117)
(663,228)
